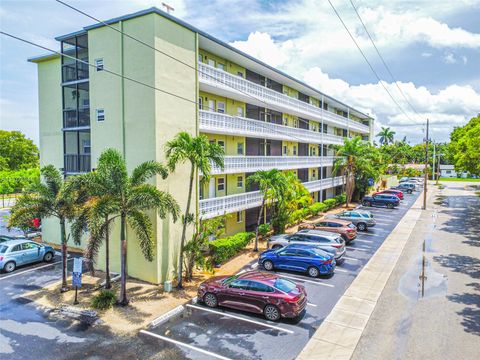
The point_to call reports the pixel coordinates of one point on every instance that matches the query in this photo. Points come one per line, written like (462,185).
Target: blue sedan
(303,258)
(14,253)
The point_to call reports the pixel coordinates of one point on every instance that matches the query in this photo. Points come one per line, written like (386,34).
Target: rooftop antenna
(168,7)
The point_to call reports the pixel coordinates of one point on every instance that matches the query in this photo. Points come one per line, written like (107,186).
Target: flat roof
(269,69)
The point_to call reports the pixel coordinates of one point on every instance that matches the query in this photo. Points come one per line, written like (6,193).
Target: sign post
(77,277)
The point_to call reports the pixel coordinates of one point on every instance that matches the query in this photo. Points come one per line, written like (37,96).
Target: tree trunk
(258,225)
(108,285)
(123,262)
(184,230)
(63,239)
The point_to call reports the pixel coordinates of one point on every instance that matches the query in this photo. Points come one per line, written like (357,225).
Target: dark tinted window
(321,224)
(3,248)
(288,252)
(304,253)
(16,248)
(298,238)
(240,284)
(318,239)
(257,286)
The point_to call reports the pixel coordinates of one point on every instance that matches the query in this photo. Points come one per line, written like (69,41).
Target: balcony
(210,208)
(218,123)
(76,163)
(212,79)
(241,164)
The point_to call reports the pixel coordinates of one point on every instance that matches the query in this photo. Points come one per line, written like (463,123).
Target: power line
(383,60)
(171,57)
(368,62)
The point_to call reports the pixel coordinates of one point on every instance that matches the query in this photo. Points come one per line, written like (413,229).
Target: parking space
(203,333)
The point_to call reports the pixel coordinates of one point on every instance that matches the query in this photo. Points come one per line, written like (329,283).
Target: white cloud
(465,60)
(449,58)
(426,54)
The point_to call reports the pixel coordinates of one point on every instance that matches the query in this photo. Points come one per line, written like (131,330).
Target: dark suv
(390,201)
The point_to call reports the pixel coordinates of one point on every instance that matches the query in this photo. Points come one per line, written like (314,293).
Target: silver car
(330,242)
(360,218)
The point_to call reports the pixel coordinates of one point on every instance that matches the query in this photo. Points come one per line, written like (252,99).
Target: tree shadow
(460,263)
(471,313)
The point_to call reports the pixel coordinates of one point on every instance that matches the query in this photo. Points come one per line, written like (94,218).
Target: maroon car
(255,291)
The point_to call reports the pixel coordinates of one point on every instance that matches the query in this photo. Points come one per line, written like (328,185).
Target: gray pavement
(430,306)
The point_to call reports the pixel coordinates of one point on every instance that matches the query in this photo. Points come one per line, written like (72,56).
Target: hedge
(330,203)
(317,207)
(226,248)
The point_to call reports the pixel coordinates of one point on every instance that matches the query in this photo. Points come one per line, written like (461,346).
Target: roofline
(40,58)
(155,10)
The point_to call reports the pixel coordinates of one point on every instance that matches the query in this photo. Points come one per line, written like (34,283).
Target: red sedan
(397,193)
(255,291)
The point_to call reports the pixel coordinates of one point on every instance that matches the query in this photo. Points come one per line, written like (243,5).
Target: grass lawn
(459,179)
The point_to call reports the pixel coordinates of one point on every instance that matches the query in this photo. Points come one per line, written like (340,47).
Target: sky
(432,49)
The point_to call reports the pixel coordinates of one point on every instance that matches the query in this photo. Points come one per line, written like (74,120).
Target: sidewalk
(339,333)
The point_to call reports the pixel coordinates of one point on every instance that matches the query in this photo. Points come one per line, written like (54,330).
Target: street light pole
(426,171)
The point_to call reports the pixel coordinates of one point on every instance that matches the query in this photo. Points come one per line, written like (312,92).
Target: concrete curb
(339,333)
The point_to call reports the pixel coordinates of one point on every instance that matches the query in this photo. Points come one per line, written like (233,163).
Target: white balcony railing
(248,90)
(217,123)
(210,208)
(241,164)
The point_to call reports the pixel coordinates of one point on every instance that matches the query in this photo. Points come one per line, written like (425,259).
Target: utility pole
(433,162)
(426,171)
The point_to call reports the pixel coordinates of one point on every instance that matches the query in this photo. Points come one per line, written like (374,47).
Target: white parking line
(184,345)
(239,318)
(29,270)
(305,280)
(254,266)
(365,241)
(310,304)
(349,258)
(359,249)
(341,270)
(369,234)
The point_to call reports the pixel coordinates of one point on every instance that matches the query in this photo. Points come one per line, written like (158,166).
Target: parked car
(303,258)
(20,252)
(327,241)
(390,201)
(345,228)
(361,219)
(405,187)
(414,180)
(257,292)
(4,238)
(397,193)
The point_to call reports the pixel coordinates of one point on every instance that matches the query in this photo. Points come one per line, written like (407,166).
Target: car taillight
(338,246)
(325,262)
(293,299)
(1,258)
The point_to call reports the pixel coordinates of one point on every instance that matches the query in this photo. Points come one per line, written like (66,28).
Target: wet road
(28,332)
(200,333)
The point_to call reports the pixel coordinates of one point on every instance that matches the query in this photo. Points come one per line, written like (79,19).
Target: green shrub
(330,203)
(317,208)
(225,248)
(105,300)
(340,199)
(263,229)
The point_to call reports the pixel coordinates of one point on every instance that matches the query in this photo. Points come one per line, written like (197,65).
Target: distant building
(447,171)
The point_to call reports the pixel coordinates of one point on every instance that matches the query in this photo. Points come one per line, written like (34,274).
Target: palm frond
(147,196)
(142,226)
(146,170)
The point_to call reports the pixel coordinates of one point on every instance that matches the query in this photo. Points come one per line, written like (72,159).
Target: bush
(224,249)
(105,300)
(263,229)
(317,207)
(340,199)
(330,203)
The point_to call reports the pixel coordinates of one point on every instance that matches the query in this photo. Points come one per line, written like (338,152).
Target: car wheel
(390,206)
(48,257)
(313,272)
(210,300)
(9,267)
(271,313)
(276,246)
(362,226)
(367,203)
(268,265)
(409,191)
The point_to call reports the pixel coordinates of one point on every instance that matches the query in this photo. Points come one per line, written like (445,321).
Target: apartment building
(193,82)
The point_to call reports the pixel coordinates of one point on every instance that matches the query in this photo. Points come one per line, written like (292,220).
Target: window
(211,62)
(16,248)
(240,111)
(257,286)
(240,148)
(200,103)
(100,115)
(200,58)
(211,105)
(448,171)
(314,173)
(284,285)
(325,128)
(321,224)
(239,284)
(221,184)
(239,216)
(221,107)
(285,150)
(221,143)
(295,123)
(99,64)
(294,150)
(285,122)
(303,253)
(221,66)
(239,73)
(287,252)
(86,146)
(29,246)
(240,181)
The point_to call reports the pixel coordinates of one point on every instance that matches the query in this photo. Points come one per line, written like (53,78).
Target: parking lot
(203,333)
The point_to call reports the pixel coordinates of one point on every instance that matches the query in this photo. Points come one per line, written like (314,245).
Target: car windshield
(365,215)
(229,279)
(3,249)
(284,285)
(351,226)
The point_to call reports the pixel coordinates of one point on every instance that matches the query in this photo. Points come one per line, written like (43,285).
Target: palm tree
(128,197)
(47,198)
(201,154)
(269,183)
(386,136)
(349,158)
